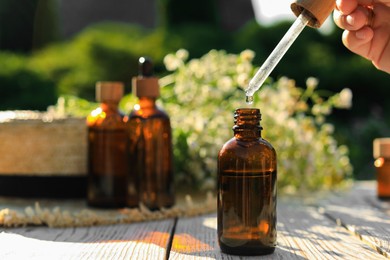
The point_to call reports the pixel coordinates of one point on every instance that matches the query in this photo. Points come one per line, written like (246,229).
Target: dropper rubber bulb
(145,84)
(145,67)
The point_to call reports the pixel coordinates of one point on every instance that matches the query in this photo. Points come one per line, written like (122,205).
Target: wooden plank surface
(363,215)
(352,225)
(147,240)
(303,233)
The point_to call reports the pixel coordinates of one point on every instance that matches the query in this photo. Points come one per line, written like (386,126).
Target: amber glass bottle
(247,189)
(107,160)
(150,153)
(382,165)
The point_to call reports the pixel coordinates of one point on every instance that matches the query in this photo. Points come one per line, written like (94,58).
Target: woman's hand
(366,25)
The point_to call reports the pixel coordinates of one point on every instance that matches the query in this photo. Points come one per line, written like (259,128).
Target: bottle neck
(109,107)
(247,123)
(147,102)
(247,133)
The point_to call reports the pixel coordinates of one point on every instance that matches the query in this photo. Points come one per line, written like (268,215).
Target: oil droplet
(249,100)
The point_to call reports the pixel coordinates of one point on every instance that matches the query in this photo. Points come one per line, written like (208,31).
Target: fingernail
(350,20)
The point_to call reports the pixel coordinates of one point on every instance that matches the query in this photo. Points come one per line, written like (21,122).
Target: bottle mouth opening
(248,115)
(248,111)
(241,128)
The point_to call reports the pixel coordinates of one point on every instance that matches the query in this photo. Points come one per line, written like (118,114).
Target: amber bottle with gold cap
(150,152)
(382,165)
(247,189)
(107,157)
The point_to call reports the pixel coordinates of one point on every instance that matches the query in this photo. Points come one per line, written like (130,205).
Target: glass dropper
(276,55)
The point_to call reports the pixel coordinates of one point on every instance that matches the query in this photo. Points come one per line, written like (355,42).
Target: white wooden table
(354,225)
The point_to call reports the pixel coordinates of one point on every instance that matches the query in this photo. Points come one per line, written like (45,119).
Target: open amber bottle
(151,155)
(107,160)
(382,165)
(247,189)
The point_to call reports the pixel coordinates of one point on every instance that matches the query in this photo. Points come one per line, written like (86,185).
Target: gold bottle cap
(381,147)
(109,91)
(319,10)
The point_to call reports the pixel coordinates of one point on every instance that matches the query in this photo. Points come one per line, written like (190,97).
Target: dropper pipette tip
(249,99)
(276,55)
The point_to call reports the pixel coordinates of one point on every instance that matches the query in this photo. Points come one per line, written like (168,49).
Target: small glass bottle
(247,189)
(107,160)
(382,165)
(151,155)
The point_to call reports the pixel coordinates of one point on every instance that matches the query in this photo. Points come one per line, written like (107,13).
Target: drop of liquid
(249,100)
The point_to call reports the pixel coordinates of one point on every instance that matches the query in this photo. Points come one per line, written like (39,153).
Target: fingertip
(357,41)
(365,34)
(345,38)
(346,6)
(337,16)
(338,4)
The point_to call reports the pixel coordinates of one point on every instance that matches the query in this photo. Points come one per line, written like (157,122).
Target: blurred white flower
(343,149)
(171,62)
(311,82)
(201,97)
(320,119)
(182,54)
(326,109)
(344,161)
(243,80)
(345,98)
(225,83)
(319,109)
(245,67)
(328,128)
(291,123)
(247,55)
